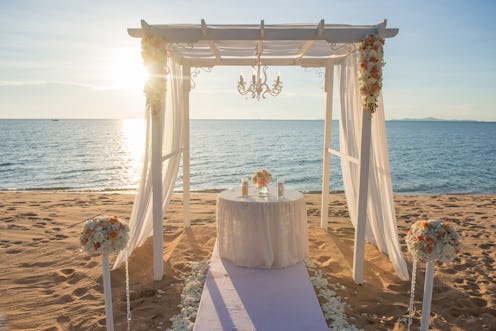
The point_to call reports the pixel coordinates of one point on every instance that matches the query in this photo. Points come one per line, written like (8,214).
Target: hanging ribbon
(412,292)
(128,301)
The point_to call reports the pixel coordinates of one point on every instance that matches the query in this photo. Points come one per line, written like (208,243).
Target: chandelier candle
(258,85)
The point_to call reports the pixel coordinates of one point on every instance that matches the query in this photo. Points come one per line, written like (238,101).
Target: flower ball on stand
(433,240)
(105,235)
(430,241)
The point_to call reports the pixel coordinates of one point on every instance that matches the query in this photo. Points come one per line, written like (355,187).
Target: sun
(127,70)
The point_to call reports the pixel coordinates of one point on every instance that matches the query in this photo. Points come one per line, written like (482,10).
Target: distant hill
(430,119)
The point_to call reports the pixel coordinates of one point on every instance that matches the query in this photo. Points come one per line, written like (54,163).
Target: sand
(46,283)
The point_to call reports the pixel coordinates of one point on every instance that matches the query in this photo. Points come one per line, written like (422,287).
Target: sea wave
(105,155)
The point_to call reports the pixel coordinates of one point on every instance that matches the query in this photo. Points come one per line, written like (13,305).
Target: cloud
(22,83)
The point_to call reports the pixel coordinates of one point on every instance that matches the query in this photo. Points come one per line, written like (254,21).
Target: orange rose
(113,235)
(429,241)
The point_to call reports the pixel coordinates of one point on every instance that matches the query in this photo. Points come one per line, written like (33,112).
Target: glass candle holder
(280,188)
(244,187)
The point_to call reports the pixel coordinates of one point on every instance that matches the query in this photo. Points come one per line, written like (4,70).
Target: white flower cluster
(104,235)
(154,52)
(190,297)
(333,308)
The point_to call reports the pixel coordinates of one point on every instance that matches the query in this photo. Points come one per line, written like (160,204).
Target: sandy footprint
(14,251)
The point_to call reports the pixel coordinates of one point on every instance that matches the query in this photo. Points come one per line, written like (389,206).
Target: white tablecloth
(265,233)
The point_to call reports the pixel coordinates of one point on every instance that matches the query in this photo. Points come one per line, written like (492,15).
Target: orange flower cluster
(371,61)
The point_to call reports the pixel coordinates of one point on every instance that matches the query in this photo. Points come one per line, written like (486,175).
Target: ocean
(437,157)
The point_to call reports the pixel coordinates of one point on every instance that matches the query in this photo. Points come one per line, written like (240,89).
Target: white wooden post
(359,252)
(186,154)
(427,299)
(107,291)
(329,87)
(158,213)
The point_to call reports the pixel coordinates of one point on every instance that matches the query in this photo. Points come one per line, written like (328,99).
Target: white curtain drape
(171,120)
(381,219)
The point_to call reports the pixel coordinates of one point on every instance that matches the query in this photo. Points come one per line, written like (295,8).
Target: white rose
(98,237)
(371,99)
(449,251)
(371,81)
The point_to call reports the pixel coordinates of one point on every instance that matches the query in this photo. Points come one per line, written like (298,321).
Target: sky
(74,59)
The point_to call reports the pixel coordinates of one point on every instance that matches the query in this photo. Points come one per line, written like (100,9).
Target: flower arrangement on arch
(371,62)
(154,53)
(433,240)
(261,178)
(104,235)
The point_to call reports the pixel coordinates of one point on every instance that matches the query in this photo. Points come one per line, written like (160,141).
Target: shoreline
(215,191)
(43,269)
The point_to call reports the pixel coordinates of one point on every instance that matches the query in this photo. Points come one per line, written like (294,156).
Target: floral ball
(432,240)
(104,235)
(261,178)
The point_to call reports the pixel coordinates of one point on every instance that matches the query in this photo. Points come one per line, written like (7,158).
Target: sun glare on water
(133,146)
(127,70)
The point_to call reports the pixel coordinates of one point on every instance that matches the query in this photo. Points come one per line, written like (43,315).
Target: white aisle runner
(239,298)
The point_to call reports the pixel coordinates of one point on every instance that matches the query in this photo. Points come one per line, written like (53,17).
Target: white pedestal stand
(427,299)
(107,290)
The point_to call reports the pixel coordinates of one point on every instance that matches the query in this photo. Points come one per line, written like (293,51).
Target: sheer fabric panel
(171,120)
(381,228)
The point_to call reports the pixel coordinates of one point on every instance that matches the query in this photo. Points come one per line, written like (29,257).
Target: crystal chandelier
(258,85)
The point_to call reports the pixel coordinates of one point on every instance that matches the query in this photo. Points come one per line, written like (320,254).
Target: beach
(47,283)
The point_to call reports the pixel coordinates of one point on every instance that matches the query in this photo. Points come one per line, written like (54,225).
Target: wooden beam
(157,204)
(303,62)
(329,88)
(193,33)
(309,43)
(186,146)
(344,156)
(260,41)
(363,190)
(211,44)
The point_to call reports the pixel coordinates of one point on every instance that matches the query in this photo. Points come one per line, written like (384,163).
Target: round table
(258,232)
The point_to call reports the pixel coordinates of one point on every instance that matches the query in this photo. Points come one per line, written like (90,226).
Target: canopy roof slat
(201,45)
(302,62)
(309,43)
(190,33)
(211,44)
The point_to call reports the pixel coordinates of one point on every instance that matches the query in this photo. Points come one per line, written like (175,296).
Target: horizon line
(425,119)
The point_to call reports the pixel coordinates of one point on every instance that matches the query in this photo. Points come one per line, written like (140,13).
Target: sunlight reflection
(133,140)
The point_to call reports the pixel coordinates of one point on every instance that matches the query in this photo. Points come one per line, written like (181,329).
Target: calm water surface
(426,157)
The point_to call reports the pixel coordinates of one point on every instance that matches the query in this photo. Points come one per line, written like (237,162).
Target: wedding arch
(171,52)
